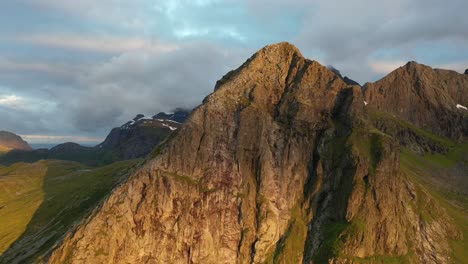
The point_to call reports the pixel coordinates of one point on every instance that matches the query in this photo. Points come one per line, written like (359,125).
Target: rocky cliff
(428,98)
(279,165)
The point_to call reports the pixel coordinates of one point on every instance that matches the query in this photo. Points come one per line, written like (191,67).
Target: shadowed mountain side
(64,193)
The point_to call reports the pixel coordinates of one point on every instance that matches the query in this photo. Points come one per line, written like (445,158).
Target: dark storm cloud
(147,82)
(351,34)
(107,94)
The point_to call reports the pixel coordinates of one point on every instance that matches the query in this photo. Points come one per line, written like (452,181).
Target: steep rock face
(423,96)
(277,161)
(10,141)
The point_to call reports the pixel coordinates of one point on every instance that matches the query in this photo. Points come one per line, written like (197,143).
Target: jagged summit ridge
(423,96)
(280,54)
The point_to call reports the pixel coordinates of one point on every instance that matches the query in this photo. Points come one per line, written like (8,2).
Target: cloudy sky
(72,70)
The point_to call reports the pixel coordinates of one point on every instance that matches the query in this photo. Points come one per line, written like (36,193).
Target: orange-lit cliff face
(280,164)
(10,141)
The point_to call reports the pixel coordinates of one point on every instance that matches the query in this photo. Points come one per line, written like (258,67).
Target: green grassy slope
(88,156)
(418,167)
(442,175)
(40,202)
(20,195)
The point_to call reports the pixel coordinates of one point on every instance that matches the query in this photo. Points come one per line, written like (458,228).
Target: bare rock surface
(277,165)
(425,97)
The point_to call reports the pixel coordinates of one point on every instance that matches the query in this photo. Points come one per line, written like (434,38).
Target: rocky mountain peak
(466,71)
(423,96)
(279,51)
(414,65)
(413,69)
(178,115)
(138,117)
(271,161)
(240,162)
(279,55)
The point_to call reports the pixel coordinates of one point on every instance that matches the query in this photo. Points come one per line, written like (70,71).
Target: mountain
(41,201)
(135,139)
(139,136)
(10,141)
(423,109)
(283,164)
(425,97)
(345,79)
(350,82)
(179,115)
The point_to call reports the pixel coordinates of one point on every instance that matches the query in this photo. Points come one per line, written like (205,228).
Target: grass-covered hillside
(438,167)
(40,202)
(423,170)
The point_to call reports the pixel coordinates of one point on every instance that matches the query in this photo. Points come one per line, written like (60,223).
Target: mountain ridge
(279,164)
(425,97)
(134,139)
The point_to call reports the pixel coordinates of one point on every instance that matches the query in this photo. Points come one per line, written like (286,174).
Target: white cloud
(106,44)
(63,70)
(19,103)
(192,32)
(60,139)
(460,67)
(385,67)
(11,101)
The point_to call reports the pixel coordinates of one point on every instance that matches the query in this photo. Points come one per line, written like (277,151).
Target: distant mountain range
(134,139)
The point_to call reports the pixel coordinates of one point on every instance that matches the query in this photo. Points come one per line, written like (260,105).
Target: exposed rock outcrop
(277,165)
